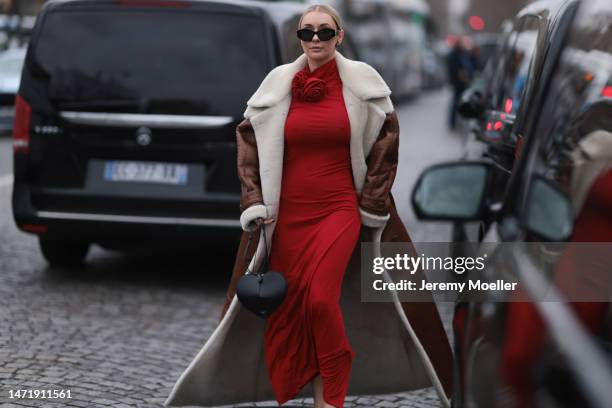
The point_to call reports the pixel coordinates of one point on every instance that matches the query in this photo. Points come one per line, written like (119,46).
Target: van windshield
(151,61)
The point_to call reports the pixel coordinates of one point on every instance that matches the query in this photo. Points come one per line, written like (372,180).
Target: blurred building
(21,7)
(448,16)
(487,15)
(440,16)
(468,16)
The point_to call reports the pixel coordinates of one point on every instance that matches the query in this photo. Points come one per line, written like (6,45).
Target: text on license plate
(147,172)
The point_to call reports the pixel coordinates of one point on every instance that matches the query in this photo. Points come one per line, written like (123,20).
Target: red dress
(318,226)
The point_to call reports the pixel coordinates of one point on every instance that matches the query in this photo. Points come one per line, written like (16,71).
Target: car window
(575,126)
(120,60)
(515,65)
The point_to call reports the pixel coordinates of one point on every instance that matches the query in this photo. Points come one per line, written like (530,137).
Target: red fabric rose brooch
(309,89)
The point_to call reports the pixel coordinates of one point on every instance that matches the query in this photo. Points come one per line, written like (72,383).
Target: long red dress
(318,226)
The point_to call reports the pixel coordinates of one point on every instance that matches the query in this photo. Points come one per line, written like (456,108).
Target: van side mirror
(453,191)
(548,212)
(471,104)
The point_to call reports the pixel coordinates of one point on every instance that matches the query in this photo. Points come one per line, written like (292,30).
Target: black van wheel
(63,253)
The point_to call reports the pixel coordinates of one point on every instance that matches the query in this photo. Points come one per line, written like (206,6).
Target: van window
(151,61)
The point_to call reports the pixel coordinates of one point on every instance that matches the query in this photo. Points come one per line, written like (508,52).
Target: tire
(63,253)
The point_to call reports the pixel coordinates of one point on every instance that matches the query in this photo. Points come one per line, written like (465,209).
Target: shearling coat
(400,346)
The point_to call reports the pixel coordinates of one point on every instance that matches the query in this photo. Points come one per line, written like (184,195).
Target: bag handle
(264,266)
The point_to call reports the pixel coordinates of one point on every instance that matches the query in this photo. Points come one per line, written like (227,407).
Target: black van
(126,114)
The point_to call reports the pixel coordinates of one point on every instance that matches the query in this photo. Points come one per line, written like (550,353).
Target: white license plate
(146,172)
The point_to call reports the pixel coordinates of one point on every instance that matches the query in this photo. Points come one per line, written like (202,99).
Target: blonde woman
(317,156)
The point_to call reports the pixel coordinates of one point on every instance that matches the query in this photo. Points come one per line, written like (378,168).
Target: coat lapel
(267,110)
(269,128)
(357,111)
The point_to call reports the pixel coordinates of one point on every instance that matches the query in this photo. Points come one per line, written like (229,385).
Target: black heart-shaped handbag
(264,291)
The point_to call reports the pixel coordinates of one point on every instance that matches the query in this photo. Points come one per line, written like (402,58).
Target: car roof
(553,5)
(278,11)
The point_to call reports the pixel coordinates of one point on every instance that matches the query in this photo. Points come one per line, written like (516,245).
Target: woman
(302,153)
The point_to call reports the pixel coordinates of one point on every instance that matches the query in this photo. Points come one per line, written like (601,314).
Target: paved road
(120,331)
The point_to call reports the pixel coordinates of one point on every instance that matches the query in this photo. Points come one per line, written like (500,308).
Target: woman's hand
(261,220)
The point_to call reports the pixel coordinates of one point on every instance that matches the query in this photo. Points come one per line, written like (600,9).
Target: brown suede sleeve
(248,165)
(382,166)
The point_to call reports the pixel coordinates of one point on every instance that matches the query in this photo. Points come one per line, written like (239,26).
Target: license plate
(145,172)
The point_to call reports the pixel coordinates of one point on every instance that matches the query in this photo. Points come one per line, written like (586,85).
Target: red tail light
(34,228)
(21,126)
(508,105)
(607,92)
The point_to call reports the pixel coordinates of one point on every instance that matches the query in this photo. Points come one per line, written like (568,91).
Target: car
(126,115)
(530,351)
(11,63)
(507,86)
(15,30)
(434,74)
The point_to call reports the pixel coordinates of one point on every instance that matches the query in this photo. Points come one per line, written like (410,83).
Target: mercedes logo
(143,136)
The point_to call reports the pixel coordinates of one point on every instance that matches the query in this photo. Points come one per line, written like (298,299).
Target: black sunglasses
(325,34)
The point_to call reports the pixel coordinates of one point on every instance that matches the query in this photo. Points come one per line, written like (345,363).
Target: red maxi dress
(318,226)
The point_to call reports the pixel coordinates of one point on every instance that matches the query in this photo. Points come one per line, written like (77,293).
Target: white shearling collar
(363,80)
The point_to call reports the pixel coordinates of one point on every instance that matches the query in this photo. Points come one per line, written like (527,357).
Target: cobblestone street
(119,331)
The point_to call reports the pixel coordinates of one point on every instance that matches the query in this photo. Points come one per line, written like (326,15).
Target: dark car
(126,115)
(493,106)
(543,353)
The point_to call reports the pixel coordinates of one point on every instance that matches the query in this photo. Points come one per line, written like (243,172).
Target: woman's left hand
(259,221)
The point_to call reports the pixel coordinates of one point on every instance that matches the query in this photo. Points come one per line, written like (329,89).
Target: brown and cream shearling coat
(400,346)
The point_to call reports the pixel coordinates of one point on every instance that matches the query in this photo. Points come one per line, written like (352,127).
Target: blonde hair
(324,8)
